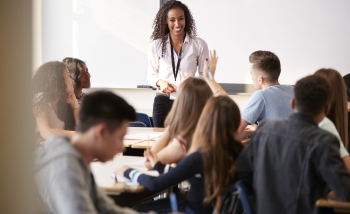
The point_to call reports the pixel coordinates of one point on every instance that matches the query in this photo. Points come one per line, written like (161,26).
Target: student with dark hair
(80,75)
(174,54)
(62,172)
(209,166)
(289,162)
(271,101)
(347,84)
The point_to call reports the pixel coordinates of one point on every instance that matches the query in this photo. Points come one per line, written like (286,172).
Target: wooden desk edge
(324,202)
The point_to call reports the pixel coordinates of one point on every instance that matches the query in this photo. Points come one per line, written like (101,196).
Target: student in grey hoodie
(62,166)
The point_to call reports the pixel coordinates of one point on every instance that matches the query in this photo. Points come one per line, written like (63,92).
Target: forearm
(162,142)
(216,88)
(45,133)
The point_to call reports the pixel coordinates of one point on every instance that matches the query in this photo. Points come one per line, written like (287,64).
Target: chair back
(137,124)
(230,203)
(246,195)
(144,118)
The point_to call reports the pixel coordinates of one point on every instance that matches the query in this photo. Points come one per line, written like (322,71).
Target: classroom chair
(246,194)
(230,202)
(142,121)
(137,124)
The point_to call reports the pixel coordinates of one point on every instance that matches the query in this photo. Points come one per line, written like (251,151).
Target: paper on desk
(122,179)
(143,136)
(138,163)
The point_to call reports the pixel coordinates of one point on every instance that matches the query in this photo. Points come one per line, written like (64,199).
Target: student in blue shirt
(271,101)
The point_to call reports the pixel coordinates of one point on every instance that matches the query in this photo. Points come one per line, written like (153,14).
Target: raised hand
(213,60)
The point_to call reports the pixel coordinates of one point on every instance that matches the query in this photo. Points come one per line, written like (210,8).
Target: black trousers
(161,107)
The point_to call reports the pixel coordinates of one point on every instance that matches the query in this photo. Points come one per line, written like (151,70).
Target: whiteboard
(112,36)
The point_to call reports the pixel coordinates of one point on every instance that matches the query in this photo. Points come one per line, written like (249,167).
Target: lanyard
(176,71)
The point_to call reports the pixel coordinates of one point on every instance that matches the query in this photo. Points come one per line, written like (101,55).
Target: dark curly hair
(48,85)
(160,27)
(75,68)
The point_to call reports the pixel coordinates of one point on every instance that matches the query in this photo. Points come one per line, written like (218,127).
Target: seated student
(181,121)
(289,162)
(271,101)
(336,121)
(209,166)
(62,172)
(51,83)
(347,84)
(80,75)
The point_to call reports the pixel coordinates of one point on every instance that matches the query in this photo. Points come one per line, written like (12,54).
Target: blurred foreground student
(336,121)
(62,166)
(289,162)
(210,165)
(347,84)
(52,83)
(182,120)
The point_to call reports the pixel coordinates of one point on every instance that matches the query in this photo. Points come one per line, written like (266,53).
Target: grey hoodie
(65,184)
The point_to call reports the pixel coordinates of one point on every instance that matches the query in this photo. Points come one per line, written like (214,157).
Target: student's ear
(260,79)
(327,108)
(292,103)
(99,132)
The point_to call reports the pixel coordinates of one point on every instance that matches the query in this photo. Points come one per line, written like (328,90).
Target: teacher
(174,54)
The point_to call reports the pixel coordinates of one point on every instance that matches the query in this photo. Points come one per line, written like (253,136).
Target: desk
(123,194)
(332,202)
(141,144)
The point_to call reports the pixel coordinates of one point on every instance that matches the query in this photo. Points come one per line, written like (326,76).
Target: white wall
(112,36)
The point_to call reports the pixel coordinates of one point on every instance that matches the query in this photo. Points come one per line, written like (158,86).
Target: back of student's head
(347,84)
(312,94)
(268,63)
(338,112)
(48,84)
(104,107)
(215,136)
(184,114)
(76,69)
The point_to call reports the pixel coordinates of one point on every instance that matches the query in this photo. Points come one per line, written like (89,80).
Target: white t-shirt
(327,124)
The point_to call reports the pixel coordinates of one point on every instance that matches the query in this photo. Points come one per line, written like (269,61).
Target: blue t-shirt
(270,103)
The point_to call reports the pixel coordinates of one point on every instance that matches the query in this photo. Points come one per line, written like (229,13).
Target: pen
(173,203)
(147,149)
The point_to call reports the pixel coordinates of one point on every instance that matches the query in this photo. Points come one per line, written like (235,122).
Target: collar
(185,41)
(303,117)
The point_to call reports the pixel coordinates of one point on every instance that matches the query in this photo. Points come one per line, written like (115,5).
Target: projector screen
(112,36)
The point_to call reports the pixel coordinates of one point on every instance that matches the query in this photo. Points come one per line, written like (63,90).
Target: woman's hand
(151,158)
(121,170)
(165,86)
(72,100)
(213,60)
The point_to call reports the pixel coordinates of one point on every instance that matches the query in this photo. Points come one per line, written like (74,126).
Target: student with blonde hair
(209,167)
(336,121)
(182,120)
